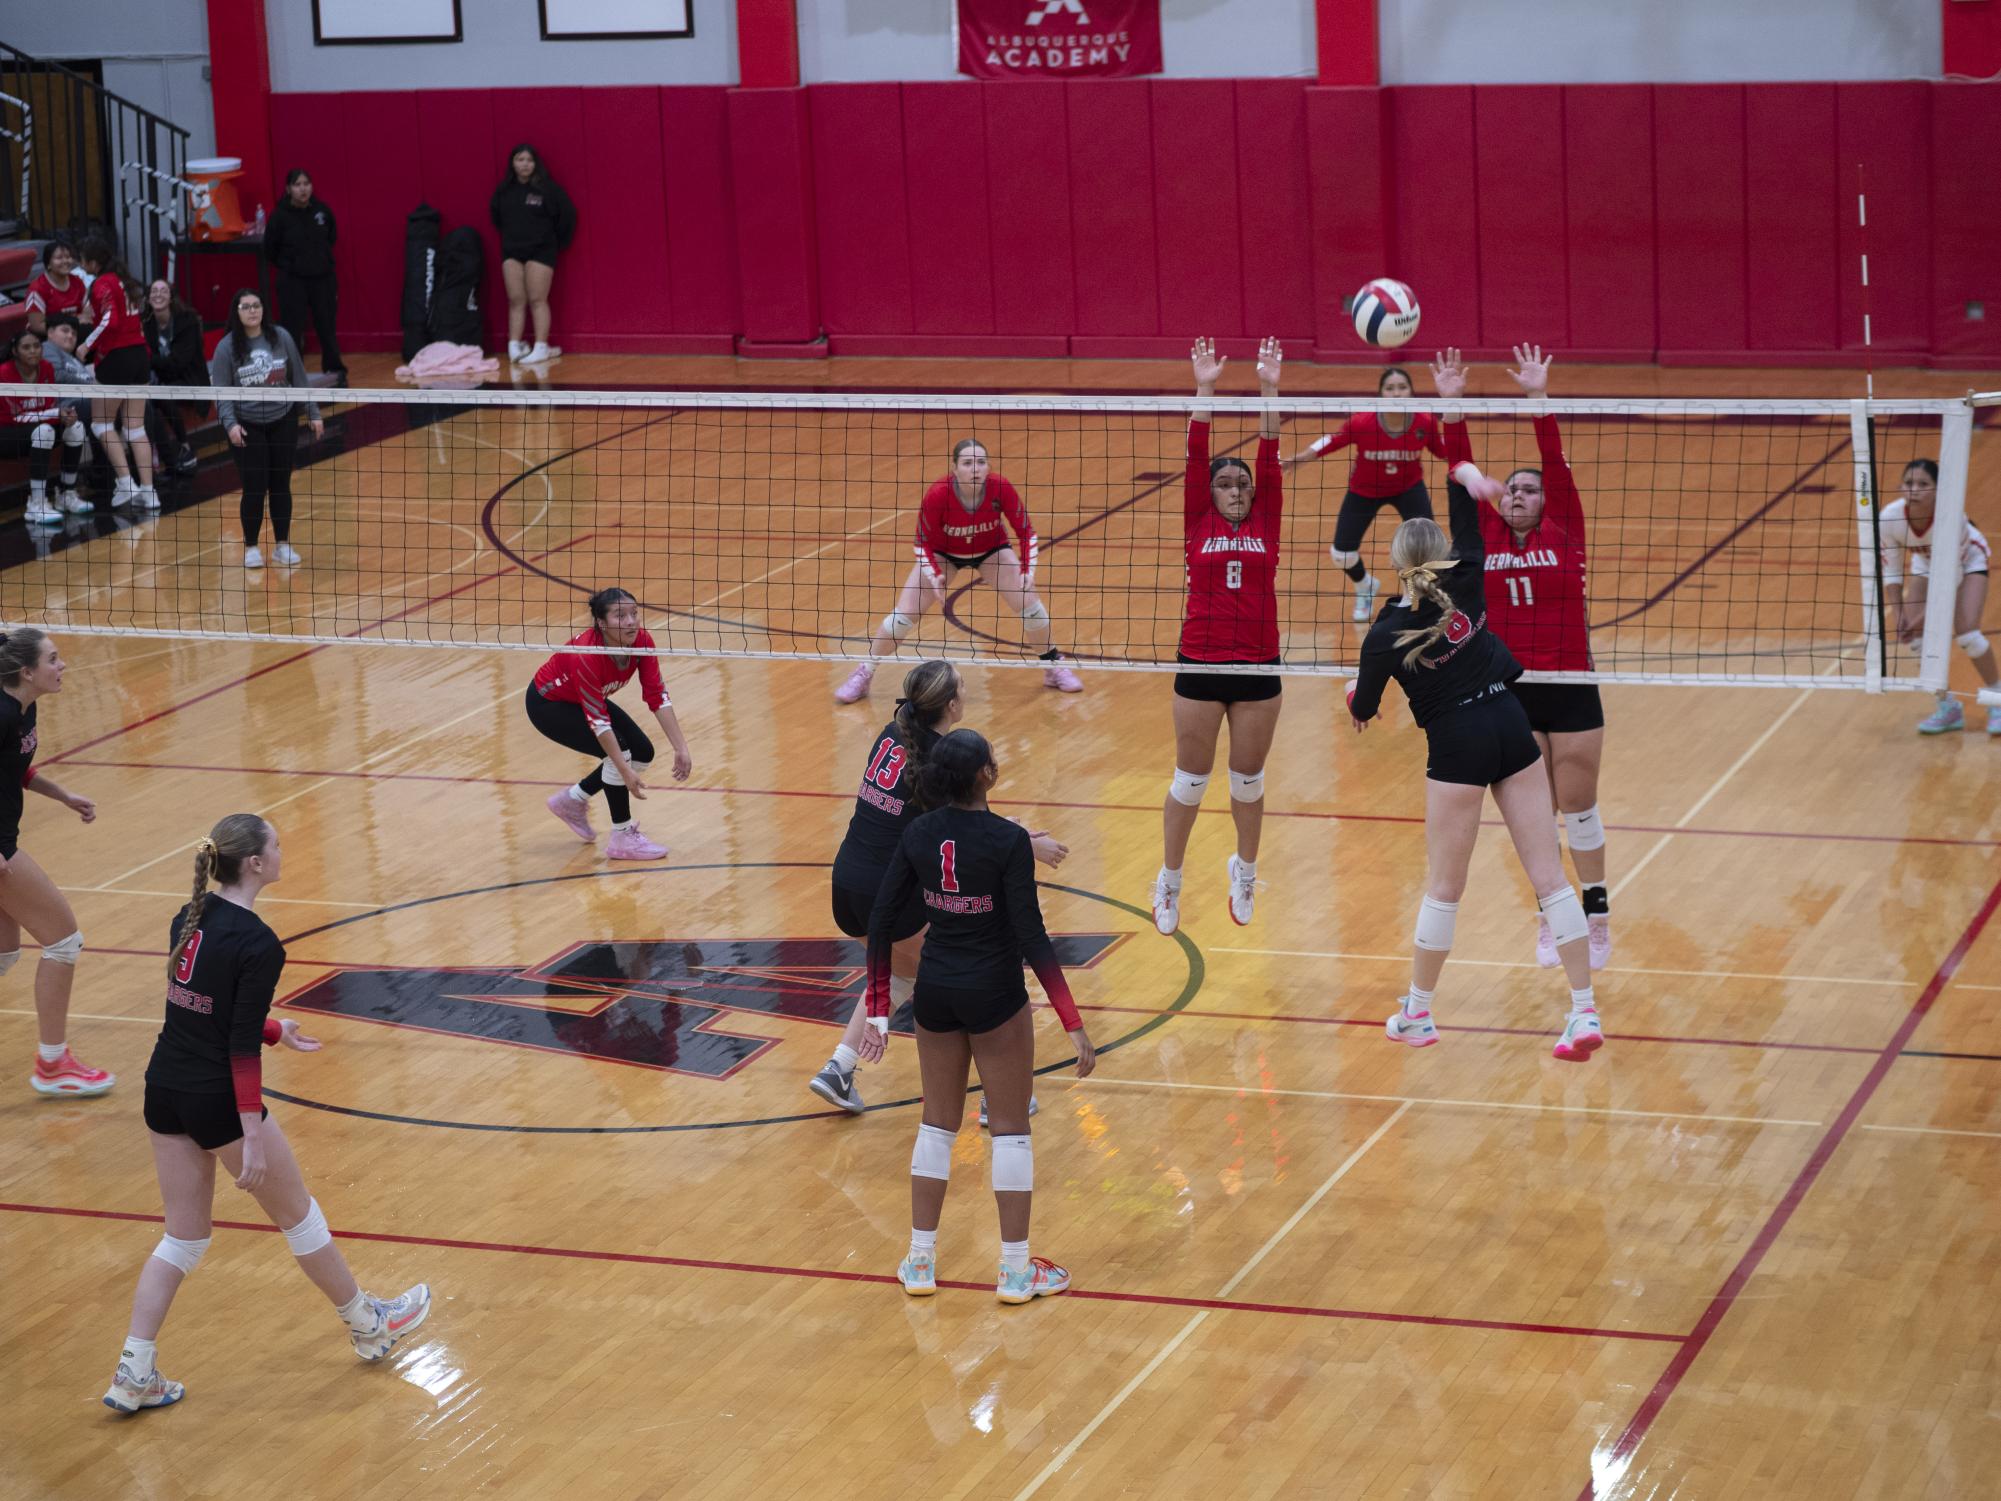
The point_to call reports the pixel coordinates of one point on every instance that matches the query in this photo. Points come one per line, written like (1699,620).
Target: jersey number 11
(1523,596)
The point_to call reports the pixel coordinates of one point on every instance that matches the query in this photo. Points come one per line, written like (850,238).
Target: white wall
(154,52)
(503,48)
(871,41)
(1657,41)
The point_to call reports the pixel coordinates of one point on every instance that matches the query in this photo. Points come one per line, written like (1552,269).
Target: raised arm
(1561,502)
(1195,486)
(1270,359)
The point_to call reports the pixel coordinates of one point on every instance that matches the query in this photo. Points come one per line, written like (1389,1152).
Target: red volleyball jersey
(1232,568)
(51,299)
(1386,463)
(945,526)
(29,410)
(116,321)
(588,679)
(1537,587)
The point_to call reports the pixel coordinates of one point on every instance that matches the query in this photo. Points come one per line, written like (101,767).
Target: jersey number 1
(1524,596)
(1233,574)
(185,970)
(948,865)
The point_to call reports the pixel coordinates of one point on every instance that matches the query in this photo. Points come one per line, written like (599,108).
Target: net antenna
(1868,508)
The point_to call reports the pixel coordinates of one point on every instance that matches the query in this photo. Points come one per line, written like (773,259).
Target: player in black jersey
(30,666)
(974,873)
(1455,672)
(204,1102)
(933,701)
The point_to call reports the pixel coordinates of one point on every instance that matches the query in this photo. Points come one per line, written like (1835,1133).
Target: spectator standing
(536,221)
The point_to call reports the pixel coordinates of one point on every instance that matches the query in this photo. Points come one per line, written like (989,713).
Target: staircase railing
(83,153)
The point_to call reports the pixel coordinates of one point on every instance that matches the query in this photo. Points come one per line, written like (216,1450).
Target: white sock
(37,489)
(1014,1255)
(357,1313)
(579,794)
(1583,1000)
(630,823)
(1419,1000)
(139,1354)
(1246,868)
(924,1241)
(845,1058)
(52,1052)
(1171,879)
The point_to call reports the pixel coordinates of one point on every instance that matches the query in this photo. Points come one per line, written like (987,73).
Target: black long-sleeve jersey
(18,738)
(218,1005)
(976,872)
(885,806)
(1469,663)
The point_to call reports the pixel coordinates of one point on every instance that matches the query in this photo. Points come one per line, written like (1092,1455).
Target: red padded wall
(1699,202)
(1274,204)
(1348,204)
(1110,156)
(623,168)
(1608,224)
(947,196)
(1435,195)
(858,173)
(1887,128)
(771,161)
(1196,213)
(1966,218)
(701,213)
(1791,209)
(1035,290)
(460,167)
(1518,156)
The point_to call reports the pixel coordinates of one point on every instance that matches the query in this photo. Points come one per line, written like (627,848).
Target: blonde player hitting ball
(1906,527)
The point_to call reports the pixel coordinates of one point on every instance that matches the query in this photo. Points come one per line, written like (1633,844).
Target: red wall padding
(1688,222)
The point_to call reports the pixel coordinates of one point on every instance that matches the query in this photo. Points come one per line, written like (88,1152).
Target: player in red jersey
(972,873)
(570,702)
(118,341)
(1230,528)
(1388,470)
(1537,576)
(962,524)
(58,289)
(31,424)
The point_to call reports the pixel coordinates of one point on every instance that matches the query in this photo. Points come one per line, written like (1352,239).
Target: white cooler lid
(208,164)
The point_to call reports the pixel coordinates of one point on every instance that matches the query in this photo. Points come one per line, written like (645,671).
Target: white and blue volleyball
(1385,313)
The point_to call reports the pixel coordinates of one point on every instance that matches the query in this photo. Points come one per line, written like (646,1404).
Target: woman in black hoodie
(174,344)
(299,243)
(536,221)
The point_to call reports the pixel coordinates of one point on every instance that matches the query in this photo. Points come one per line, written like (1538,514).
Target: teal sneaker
(918,1272)
(1945,717)
(1041,1278)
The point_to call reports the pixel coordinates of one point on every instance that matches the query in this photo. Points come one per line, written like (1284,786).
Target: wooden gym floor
(1750,1250)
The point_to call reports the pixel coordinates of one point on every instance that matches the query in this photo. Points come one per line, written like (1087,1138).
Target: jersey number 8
(185,970)
(1233,574)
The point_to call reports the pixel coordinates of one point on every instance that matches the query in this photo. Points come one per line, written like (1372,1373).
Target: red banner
(1059,38)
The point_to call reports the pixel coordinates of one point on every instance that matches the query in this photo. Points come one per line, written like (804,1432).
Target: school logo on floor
(660,1003)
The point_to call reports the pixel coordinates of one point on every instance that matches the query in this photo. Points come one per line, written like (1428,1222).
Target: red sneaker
(67,1076)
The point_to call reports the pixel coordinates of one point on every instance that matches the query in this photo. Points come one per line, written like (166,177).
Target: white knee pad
(901,988)
(1246,787)
(639,768)
(1036,615)
(1343,559)
(9,960)
(1435,923)
(64,950)
(102,429)
(135,434)
(614,778)
(896,625)
(1584,829)
(1187,788)
(185,1254)
(1972,643)
(1014,1165)
(1565,914)
(43,437)
(73,435)
(311,1233)
(932,1156)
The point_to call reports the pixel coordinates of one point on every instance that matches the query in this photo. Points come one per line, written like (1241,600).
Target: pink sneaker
(1601,942)
(856,687)
(68,1076)
(1545,944)
(629,844)
(576,816)
(1062,679)
(1581,1037)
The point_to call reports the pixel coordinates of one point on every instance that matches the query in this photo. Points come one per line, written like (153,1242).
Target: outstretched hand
(1448,375)
(1208,364)
(1533,377)
(1270,358)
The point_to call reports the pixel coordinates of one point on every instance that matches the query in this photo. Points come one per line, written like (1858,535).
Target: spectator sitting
(173,341)
(61,288)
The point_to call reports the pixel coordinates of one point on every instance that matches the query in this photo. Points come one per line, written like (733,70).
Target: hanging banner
(1059,38)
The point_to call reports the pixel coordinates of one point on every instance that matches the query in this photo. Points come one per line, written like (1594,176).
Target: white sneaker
(40,511)
(1166,904)
(1412,1028)
(147,498)
(1243,892)
(1365,597)
(74,503)
(394,1318)
(253,557)
(1601,942)
(124,492)
(540,354)
(517,350)
(286,554)
(1545,944)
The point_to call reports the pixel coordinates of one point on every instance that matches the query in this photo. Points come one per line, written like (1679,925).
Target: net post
(1955,450)
(1862,444)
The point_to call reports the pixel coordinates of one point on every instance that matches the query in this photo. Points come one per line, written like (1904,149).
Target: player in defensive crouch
(1906,528)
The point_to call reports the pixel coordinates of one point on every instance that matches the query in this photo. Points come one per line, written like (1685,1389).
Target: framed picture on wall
(345,23)
(616,20)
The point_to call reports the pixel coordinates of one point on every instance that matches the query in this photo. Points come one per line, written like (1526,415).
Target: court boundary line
(1609,1465)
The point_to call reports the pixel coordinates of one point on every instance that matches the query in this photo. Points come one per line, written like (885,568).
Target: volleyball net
(1729,541)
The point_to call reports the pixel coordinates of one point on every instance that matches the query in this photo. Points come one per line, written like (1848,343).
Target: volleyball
(1385,313)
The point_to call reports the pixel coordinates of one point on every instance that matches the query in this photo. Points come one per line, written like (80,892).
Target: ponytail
(928,691)
(1418,550)
(219,857)
(951,772)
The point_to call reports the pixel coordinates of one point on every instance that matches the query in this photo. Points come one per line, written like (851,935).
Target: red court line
(1152,809)
(701,1264)
(1747,1266)
(422,604)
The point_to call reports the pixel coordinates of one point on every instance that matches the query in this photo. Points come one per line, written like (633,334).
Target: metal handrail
(27,140)
(92,84)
